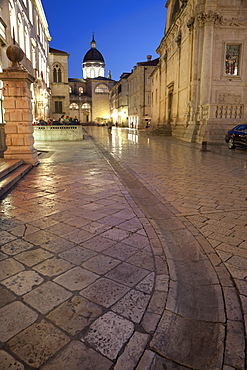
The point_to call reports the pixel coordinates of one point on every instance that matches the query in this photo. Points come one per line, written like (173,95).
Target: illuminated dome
(93,64)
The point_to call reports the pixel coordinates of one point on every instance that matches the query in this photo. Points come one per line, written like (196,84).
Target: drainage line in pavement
(191,331)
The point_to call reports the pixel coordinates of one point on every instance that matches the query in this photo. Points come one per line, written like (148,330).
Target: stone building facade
(119,101)
(87,99)
(59,83)
(24,23)
(139,93)
(99,90)
(80,102)
(199,85)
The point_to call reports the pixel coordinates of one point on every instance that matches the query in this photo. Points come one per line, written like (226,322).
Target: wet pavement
(125,251)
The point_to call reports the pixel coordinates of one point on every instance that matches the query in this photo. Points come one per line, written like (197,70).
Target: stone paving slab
(38,343)
(104,329)
(76,354)
(14,318)
(168,341)
(8,362)
(124,266)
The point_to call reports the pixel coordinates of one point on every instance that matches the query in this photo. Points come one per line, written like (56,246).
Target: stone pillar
(18,116)
(208,19)
(18,109)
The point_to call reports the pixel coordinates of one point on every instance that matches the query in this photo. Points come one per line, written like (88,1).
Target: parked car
(237,136)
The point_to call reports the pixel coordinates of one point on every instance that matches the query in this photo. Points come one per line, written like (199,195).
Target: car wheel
(231,144)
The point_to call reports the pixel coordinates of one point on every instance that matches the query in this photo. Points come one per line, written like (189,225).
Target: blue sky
(126,31)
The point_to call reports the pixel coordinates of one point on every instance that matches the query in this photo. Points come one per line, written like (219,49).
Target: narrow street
(125,251)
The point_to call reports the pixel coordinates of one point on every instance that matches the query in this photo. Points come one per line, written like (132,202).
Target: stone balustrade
(58,133)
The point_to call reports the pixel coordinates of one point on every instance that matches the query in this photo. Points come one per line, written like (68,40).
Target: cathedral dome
(93,55)
(93,64)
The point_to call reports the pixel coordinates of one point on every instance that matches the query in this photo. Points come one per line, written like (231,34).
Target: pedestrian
(109,126)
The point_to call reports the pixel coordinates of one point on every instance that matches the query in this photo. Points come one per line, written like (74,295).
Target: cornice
(233,22)
(215,18)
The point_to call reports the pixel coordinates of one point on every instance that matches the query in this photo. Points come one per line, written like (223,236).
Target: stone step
(11,171)
(164,130)
(8,165)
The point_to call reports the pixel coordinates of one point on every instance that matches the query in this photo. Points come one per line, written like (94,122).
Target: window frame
(57,73)
(239,67)
(103,90)
(58,104)
(74,106)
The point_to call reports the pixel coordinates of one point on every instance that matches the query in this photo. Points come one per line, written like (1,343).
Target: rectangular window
(1,103)
(232,58)
(58,107)
(30,9)
(2,32)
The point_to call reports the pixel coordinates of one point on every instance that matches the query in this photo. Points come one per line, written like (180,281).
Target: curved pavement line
(192,330)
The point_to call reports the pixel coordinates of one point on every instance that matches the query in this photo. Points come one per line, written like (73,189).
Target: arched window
(57,73)
(80,90)
(102,88)
(85,106)
(73,106)
(70,89)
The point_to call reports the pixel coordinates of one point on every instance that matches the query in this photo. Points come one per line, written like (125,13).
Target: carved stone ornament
(209,17)
(15,54)
(224,98)
(178,38)
(233,22)
(190,23)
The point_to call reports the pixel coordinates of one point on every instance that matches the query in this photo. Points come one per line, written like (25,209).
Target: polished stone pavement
(125,251)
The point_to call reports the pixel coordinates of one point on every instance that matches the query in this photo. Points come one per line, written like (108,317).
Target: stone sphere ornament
(15,54)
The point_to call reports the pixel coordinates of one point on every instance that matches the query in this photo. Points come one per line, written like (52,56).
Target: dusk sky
(126,31)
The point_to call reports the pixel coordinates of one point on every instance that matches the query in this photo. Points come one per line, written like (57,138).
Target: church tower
(93,64)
